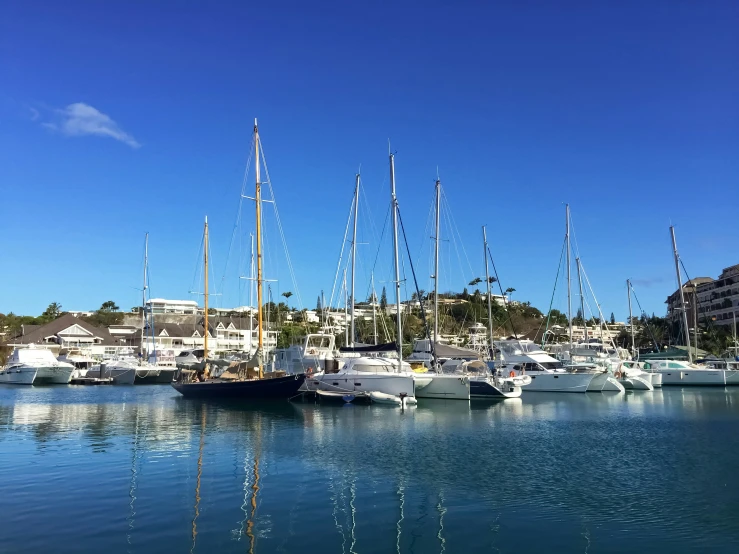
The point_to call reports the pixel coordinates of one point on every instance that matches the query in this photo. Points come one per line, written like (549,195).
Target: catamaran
(687,373)
(246,380)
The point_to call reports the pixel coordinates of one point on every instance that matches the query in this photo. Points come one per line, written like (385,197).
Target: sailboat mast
(682,294)
(251,292)
(143,295)
(258,199)
(436,264)
(569,279)
(490,296)
(631,321)
(205,264)
(582,300)
(394,199)
(354,253)
(374,310)
(346,303)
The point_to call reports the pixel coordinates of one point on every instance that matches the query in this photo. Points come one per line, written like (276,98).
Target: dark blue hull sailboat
(254,389)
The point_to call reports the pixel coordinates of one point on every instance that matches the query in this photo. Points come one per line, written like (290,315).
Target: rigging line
(370,217)
(279,226)
(237,222)
(445,214)
(603,322)
(198,272)
(456,228)
(341,253)
(551,302)
(654,340)
(415,281)
(500,286)
(379,244)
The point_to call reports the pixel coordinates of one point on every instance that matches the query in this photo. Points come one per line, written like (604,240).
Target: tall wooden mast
(258,199)
(205,260)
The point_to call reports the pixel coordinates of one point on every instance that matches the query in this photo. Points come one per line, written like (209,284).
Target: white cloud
(34,114)
(81,119)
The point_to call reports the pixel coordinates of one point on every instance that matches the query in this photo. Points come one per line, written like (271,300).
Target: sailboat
(684,373)
(548,374)
(246,380)
(389,378)
(126,368)
(443,385)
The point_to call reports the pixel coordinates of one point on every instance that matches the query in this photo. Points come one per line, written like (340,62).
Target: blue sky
(118,118)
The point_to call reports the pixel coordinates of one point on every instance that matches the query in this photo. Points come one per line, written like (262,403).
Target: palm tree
(509,291)
(287,296)
(53,311)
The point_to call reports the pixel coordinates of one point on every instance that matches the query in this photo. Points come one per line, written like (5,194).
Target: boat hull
(604,382)
(654,379)
(256,389)
(559,382)
(732,377)
(693,377)
(18,376)
(454,387)
(482,388)
(636,383)
(369,382)
(160,375)
(53,375)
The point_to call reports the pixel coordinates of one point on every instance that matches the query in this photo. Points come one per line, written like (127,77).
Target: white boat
(402,401)
(370,375)
(35,366)
(635,372)
(516,357)
(123,372)
(81,362)
(313,354)
(676,372)
(18,375)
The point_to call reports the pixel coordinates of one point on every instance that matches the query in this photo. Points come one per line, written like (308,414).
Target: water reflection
(584,470)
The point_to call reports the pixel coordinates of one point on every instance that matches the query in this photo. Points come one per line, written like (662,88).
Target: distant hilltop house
(716,300)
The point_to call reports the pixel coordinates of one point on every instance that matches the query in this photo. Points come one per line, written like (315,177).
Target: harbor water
(140,469)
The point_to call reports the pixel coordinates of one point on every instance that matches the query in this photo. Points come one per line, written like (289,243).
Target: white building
(163,306)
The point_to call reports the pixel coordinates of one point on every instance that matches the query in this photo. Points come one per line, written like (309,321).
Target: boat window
(318,342)
(530,347)
(673,365)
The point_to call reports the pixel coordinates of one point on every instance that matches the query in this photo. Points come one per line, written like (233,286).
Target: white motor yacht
(364,374)
(676,372)
(524,357)
(32,365)
(81,362)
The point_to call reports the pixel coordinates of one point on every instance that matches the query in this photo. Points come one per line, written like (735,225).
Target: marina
(141,468)
(481,299)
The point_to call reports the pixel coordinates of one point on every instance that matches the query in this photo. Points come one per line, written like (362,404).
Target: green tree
(287,296)
(383,299)
(475,281)
(509,291)
(109,306)
(613,319)
(53,311)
